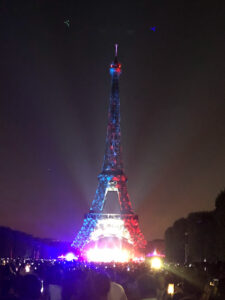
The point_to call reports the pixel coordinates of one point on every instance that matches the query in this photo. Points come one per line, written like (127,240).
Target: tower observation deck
(100,228)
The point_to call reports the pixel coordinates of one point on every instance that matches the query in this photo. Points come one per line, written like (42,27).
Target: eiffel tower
(112,178)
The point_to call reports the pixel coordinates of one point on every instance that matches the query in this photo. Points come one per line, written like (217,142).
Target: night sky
(54,91)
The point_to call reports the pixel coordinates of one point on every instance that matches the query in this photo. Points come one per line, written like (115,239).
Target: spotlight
(170,289)
(70,256)
(156,263)
(27,268)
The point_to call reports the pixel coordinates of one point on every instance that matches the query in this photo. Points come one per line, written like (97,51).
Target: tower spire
(116,55)
(112,160)
(116,50)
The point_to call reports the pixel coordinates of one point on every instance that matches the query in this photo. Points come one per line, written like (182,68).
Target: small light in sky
(153,28)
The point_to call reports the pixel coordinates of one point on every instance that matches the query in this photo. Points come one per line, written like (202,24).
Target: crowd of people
(25,279)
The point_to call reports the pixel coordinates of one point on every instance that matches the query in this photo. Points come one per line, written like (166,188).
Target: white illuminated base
(108,255)
(110,228)
(108,240)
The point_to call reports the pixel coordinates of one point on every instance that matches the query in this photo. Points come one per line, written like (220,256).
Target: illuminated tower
(124,225)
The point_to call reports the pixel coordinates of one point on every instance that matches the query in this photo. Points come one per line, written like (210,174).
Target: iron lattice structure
(112,177)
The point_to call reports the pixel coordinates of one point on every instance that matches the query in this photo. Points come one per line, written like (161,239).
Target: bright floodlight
(108,255)
(156,263)
(27,268)
(170,289)
(70,256)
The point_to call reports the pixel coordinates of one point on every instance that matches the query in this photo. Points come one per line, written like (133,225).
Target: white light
(70,256)
(155,253)
(27,268)
(156,263)
(108,255)
(61,256)
(110,228)
(170,289)
(138,259)
(42,286)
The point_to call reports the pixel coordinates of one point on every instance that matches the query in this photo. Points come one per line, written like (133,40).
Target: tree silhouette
(200,236)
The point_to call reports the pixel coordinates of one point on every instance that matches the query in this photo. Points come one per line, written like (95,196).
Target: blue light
(153,28)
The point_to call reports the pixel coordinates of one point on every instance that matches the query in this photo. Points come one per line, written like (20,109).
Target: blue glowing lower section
(84,234)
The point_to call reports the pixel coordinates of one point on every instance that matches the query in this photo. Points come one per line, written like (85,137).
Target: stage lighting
(156,263)
(170,289)
(70,256)
(27,268)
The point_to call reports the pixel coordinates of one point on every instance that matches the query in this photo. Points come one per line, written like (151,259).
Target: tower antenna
(116,49)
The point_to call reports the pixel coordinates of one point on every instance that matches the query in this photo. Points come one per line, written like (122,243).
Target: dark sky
(55,85)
